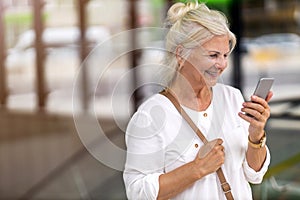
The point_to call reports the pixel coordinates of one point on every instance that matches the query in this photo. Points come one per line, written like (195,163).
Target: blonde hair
(191,25)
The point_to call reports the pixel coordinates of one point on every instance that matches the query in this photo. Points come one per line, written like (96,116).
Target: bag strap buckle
(226,187)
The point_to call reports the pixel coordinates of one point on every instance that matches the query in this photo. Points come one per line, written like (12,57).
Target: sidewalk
(42,157)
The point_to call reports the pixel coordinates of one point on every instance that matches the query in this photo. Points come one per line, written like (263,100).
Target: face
(207,62)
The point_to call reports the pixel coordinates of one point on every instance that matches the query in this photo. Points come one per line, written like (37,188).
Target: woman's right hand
(210,157)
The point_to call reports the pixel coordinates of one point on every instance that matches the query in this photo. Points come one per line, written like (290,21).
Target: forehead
(218,43)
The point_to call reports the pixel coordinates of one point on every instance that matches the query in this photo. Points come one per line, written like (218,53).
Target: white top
(159,140)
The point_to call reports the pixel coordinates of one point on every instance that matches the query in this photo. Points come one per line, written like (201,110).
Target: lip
(212,74)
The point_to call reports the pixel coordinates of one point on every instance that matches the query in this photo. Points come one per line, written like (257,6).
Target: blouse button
(196,145)
(205,114)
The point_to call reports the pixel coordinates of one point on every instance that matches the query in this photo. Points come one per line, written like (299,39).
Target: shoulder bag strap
(225,186)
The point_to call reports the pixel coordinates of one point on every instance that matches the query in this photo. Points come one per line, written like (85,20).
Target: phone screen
(263,87)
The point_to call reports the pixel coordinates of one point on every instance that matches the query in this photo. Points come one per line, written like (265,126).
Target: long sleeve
(145,155)
(256,177)
(251,175)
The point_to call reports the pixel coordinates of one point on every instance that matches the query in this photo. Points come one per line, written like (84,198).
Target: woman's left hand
(259,110)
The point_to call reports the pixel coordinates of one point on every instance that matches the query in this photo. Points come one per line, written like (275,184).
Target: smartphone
(263,87)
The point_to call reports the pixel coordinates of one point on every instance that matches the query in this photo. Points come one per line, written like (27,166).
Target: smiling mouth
(213,74)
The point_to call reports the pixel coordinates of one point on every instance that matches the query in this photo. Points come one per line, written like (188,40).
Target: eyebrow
(214,51)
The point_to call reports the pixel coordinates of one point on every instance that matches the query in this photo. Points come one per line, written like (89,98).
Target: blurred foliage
(292,161)
(221,5)
(157,3)
(22,18)
(207,1)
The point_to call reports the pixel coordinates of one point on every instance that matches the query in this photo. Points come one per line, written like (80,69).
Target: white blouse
(159,140)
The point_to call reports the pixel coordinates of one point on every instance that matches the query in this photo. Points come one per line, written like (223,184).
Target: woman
(165,158)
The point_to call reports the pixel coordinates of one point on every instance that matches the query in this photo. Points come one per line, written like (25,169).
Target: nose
(221,62)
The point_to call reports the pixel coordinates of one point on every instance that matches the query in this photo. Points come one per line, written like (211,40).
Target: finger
(211,147)
(221,148)
(219,141)
(206,148)
(215,142)
(253,116)
(215,152)
(251,119)
(255,106)
(260,101)
(269,97)
(204,151)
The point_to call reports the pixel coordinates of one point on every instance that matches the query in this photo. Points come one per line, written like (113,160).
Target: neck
(197,98)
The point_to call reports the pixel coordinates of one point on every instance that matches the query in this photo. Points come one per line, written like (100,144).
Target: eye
(213,55)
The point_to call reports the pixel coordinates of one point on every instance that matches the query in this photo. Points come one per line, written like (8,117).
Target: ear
(179,58)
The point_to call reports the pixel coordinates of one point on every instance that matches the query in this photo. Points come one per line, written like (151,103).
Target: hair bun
(178,10)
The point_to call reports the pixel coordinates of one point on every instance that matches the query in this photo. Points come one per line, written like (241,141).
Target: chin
(211,82)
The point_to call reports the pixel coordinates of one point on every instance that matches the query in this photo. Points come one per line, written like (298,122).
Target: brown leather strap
(225,186)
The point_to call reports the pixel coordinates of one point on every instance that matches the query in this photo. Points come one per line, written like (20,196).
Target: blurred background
(66,59)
